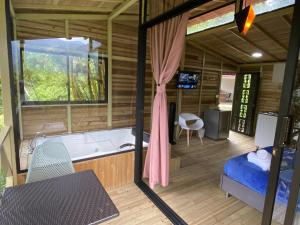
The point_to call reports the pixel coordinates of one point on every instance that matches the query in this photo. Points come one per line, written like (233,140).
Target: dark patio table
(75,199)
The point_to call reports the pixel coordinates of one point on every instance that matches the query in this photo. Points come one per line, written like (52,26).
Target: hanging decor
(244,17)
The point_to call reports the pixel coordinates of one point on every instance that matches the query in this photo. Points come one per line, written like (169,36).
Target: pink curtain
(166,46)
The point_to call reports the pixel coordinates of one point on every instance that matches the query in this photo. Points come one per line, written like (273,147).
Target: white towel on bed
(261,158)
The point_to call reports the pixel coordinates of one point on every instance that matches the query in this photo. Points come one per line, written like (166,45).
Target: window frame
(57,102)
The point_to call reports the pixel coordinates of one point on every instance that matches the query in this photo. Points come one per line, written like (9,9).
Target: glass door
(282,203)
(292,216)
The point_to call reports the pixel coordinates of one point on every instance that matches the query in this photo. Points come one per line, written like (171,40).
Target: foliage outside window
(60,71)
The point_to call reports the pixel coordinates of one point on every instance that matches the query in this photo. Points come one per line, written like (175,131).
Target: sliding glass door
(292,177)
(282,203)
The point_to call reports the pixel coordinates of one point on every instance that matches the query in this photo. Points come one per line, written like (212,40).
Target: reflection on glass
(288,161)
(61,71)
(296,131)
(44,76)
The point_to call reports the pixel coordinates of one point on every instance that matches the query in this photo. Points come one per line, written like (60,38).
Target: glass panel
(296,130)
(87,78)
(62,71)
(288,161)
(45,76)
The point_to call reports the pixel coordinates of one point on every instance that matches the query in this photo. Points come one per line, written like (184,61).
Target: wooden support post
(219,86)
(121,8)
(115,13)
(201,84)
(6,85)
(14,23)
(109,60)
(179,92)
(67,29)
(69,112)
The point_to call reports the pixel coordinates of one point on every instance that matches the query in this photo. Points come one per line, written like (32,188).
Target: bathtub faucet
(33,142)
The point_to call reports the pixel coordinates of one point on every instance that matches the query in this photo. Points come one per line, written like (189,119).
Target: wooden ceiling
(104,7)
(157,7)
(70,6)
(269,36)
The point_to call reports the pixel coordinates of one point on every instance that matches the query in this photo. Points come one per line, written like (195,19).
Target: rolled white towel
(263,154)
(264,164)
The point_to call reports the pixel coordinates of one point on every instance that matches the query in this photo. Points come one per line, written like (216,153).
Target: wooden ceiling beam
(68,16)
(55,2)
(56,7)
(52,16)
(210,51)
(240,51)
(107,1)
(121,8)
(286,20)
(12,10)
(262,17)
(100,4)
(247,40)
(270,36)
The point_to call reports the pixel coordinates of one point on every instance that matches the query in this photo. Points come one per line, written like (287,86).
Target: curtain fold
(166,46)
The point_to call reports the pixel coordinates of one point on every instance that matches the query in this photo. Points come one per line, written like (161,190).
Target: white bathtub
(96,143)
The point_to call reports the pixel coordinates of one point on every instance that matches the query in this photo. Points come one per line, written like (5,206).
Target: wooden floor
(194,191)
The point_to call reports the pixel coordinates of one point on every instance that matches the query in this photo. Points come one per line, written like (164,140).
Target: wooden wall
(269,91)
(90,117)
(124,42)
(51,120)
(124,65)
(211,68)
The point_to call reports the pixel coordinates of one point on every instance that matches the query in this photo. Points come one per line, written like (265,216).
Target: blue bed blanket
(253,177)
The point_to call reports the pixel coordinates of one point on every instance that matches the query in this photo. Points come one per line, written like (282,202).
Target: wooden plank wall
(124,66)
(85,118)
(124,78)
(211,79)
(50,120)
(124,44)
(269,91)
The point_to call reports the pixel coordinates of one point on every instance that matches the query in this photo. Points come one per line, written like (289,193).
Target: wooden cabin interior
(57,86)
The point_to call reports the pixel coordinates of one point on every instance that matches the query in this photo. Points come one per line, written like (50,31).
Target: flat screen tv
(187,79)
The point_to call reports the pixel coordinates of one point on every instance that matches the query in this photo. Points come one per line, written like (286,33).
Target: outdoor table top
(75,199)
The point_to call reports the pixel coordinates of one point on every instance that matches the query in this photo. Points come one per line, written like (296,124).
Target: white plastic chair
(49,160)
(196,126)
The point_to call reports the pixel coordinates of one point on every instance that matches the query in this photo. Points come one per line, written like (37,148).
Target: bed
(248,182)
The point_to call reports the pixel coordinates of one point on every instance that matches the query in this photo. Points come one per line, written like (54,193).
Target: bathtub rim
(93,157)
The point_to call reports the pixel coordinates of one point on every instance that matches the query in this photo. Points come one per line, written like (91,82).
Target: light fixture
(244,18)
(256,54)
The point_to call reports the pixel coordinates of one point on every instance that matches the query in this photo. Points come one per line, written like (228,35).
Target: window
(225,14)
(61,71)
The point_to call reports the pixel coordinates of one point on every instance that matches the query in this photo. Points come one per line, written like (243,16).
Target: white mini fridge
(265,129)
